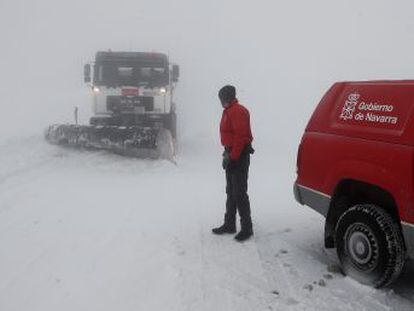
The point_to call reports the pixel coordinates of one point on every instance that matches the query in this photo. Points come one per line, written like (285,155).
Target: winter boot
(244,235)
(225,229)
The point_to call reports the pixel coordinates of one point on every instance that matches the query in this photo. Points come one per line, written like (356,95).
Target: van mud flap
(133,141)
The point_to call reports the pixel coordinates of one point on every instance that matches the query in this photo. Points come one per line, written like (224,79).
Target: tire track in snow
(218,273)
(236,271)
(279,280)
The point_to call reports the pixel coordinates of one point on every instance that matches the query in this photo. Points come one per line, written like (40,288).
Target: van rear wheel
(370,245)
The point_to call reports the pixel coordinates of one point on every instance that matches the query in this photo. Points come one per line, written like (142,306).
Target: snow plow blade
(133,141)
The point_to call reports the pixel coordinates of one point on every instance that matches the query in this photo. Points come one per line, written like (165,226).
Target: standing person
(236,138)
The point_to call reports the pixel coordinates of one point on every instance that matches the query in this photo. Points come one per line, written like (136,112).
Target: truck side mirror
(175,73)
(87,73)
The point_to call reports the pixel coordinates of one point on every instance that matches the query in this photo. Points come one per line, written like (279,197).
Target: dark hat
(227,93)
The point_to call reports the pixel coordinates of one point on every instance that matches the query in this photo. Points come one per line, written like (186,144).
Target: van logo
(365,112)
(349,107)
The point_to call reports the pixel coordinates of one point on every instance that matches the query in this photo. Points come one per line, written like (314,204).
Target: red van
(355,166)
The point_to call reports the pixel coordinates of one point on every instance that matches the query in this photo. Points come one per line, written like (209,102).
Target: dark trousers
(237,197)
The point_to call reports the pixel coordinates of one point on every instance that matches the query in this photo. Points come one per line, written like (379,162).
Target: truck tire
(370,245)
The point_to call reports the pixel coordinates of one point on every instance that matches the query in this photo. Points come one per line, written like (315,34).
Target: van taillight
(298,158)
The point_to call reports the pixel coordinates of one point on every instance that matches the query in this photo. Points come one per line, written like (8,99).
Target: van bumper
(316,200)
(408,233)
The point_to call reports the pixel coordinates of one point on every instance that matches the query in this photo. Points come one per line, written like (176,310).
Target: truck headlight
(96,89)
(163,90)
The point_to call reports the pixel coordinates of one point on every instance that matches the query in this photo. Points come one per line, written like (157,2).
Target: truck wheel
(370,245)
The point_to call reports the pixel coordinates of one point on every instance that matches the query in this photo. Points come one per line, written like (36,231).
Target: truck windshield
(127,74)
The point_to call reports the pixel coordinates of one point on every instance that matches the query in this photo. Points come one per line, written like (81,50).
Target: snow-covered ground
(93,231)
(84,230)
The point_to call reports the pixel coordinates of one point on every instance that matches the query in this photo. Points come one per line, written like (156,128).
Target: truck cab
(355,167)
(132,88)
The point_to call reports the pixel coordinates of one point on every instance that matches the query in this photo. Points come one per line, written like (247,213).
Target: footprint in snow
(328,276)
(179,250)
(291,301)
(276,293)
(321,283)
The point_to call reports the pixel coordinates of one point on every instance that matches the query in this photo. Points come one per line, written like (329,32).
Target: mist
(282,56)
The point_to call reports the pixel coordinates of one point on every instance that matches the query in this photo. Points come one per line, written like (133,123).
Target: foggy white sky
(282,55)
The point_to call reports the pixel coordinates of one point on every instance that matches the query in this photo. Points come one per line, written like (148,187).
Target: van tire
(370,245)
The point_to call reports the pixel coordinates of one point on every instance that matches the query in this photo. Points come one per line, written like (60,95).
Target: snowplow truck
(133,108)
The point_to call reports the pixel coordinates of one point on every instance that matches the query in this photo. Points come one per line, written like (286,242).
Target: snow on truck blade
(96,231)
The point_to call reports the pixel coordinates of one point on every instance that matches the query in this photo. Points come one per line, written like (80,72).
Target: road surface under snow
(84,230)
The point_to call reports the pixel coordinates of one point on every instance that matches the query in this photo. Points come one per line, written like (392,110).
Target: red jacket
(235,129)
